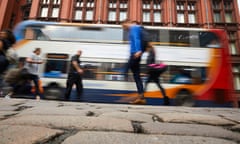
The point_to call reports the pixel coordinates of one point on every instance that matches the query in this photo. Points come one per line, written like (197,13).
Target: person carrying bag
(154,71)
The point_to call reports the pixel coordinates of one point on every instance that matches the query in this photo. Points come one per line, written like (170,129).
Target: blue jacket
(135,39)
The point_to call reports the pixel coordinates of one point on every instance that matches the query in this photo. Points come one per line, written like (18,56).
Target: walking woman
(154,72)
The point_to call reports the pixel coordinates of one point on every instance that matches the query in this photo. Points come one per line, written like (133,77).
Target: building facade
(223,14)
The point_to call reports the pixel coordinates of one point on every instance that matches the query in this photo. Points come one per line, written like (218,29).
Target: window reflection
(68,33)
(186,75)
(56,65)
(92,33)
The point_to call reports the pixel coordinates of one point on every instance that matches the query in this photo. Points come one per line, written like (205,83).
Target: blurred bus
(199,72)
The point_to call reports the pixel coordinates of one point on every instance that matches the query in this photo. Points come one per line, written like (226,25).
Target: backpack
(145,38)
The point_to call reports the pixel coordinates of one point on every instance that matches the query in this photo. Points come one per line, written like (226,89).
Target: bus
(198,69)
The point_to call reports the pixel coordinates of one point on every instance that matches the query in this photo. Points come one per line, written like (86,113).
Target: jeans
(134,65)
(35,80)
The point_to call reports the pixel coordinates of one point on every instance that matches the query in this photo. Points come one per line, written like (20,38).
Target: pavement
(28,121)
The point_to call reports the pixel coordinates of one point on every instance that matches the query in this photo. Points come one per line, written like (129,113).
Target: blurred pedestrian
(154,71)
(74,76)
(31,68)
(7,39)
(12,58)
(135,57)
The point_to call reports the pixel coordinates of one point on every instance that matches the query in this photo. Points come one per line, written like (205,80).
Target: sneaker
(8,96)
(139,101)
(38,97)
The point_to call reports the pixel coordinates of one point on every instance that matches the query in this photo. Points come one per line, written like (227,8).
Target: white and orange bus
(198,74)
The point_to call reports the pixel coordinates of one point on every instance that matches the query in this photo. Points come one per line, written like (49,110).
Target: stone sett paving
(25,121)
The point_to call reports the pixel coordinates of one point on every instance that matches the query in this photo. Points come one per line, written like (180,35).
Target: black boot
(166,101)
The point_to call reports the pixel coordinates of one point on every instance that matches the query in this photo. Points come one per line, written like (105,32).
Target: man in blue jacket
(135,57)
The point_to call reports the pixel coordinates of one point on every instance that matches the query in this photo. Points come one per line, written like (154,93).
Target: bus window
(84,33)
(90,70)
(56,65)
(35,33)
(104,71)
(184,38)
(29,34)
(209,39)
(187,75)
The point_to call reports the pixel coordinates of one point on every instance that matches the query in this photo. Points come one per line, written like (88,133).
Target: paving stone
(112,123)
(140,117)
(5,114)
(77,122)
(233,116)
(90,137)
(41,103)
(79,110)
(10,102)
(8,105)
(55,111)
(190,130)
(194,118)
(7,108)
(236,128)
(15,134)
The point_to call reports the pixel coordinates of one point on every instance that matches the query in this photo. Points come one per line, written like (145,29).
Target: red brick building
(222,14)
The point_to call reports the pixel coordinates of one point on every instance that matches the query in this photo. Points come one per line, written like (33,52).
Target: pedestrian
(31,68)
(135,57)
(7,39)
(12,58)
(74,76)
(154,71)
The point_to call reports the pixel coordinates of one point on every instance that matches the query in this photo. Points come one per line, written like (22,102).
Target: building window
(228,17)
(217,17)
(232,43)
(84,10)
(50,8)
(222,11)
(151,12)
(44,12)
(56,2)
(45,1)
(55,12)
(146,16)
(78,15)
(228,11)
(112,16)
(180,17)
(236,73)
(186,11)
(117,11)
(192,18)
(26,8)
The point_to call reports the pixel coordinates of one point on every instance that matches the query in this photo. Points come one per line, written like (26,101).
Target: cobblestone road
(26,121)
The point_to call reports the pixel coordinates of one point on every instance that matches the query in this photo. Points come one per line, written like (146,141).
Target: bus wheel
(184,98)
(53,91)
